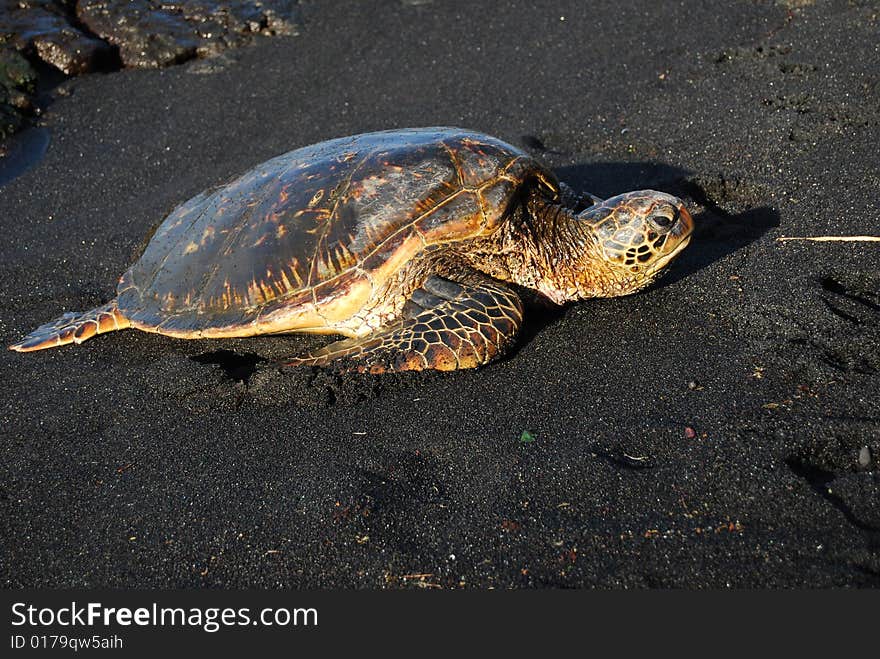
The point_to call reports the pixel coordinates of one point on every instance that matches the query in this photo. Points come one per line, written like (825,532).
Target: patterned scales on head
(304,240)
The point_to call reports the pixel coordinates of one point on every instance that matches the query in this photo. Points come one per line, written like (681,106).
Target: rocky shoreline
(85,36)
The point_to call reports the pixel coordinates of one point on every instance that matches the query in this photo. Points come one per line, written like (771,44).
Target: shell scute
(462,215)
(479,159)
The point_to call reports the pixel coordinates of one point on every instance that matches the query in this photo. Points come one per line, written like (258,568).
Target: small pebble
(864,457)
(689,433)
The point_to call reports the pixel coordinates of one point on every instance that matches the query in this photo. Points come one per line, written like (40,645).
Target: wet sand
(721,429)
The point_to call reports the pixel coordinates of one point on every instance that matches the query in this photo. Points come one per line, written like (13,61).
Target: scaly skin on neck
(550,250)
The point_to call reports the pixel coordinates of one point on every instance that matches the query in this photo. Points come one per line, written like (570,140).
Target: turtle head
(625,243)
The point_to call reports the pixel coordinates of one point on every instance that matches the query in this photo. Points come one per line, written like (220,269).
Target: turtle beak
(678,238)
(664,260)
(684,227)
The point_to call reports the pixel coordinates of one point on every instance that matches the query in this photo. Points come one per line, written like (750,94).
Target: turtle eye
(663,222)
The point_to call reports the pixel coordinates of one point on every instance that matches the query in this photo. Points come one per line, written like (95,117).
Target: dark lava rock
(73,35)
(81,36)
(16,82)
(72,52)
(151,33)
(44,28)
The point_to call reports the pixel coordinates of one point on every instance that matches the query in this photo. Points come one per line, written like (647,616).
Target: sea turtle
(412,243)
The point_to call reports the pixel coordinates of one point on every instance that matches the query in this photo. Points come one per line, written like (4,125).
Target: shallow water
(24,150)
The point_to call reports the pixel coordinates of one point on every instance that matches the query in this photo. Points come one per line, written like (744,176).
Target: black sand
(721,429)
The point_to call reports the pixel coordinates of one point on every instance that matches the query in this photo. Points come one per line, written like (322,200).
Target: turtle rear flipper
(73,328)
(446,326)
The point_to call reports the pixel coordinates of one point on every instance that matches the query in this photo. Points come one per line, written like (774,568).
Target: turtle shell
(302,240)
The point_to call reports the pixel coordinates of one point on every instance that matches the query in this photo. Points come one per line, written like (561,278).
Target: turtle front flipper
(446,325)
(73,328)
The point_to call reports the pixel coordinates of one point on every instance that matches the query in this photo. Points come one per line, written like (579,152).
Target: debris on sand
(832,239)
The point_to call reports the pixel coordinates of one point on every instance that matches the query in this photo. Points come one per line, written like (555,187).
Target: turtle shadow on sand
(725,222)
